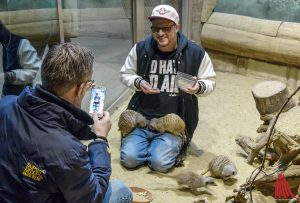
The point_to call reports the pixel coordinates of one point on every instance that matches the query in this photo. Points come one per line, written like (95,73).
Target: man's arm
(205,79)
(85,177)
(30,63)
(128,74)
(130,78)
(88,180)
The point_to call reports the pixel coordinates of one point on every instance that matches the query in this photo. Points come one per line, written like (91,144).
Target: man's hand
(147,89)
(102,126)
(192,90)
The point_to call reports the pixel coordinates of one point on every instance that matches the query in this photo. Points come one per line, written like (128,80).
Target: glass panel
(26,28)
(101,25)
(104,26)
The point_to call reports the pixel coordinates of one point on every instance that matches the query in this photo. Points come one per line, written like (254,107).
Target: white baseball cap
(166,12)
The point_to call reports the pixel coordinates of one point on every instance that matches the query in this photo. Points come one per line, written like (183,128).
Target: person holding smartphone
(42,157)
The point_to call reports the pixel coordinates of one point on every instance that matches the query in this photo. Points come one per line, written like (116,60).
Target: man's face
(164,33)
(83,88)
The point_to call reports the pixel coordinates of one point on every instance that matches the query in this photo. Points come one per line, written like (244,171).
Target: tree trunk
(269,96)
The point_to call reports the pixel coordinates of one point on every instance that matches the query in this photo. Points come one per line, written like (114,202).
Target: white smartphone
(97,100)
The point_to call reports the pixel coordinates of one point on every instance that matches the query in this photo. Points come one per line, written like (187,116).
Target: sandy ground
(228,111)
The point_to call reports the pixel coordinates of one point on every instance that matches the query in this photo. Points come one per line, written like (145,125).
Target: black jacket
(189,57)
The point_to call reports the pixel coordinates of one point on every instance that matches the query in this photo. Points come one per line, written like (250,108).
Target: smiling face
(164,33)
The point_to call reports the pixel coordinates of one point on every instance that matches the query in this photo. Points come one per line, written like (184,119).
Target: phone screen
(97,100)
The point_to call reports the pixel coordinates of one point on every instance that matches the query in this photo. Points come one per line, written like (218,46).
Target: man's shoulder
(194,46)
(145,44)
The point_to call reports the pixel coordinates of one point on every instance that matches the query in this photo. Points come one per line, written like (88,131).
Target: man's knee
(161,165)
(129,160)
(121,188)
(121,192)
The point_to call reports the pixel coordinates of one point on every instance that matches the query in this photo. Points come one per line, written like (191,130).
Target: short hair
(65,65)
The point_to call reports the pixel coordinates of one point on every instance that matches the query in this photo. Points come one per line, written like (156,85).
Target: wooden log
(288,149)
(269,97)
(285,146)
(263,127)
(263,140)
(252,45)
(247,144)
(245,23)
(288,126)
(289,30)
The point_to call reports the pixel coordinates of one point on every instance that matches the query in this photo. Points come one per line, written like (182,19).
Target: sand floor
(230,110)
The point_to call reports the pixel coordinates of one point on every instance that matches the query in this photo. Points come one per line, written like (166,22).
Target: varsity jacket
(41,156)
(188,58)
(20,63)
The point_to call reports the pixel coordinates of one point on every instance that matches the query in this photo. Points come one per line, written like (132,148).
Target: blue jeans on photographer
(117,192)
(158,150)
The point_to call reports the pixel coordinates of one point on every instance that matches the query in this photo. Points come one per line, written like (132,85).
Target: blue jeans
(159,150)
(117,192)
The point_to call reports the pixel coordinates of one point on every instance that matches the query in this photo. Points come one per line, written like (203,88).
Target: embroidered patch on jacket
(33,172)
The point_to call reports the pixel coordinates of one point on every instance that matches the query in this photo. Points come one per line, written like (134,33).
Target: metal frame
(138,20)
(186,24)
(61,21)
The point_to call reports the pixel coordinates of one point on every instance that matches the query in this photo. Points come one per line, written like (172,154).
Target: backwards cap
(165,12)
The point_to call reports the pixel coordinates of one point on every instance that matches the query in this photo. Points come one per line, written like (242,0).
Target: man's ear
(80,90)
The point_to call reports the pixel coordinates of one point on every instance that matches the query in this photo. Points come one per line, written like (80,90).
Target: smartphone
(97,100)
(184,80)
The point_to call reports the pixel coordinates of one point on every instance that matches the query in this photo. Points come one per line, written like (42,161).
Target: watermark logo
(283,190)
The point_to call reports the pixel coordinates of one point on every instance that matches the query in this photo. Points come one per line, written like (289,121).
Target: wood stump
(269,96)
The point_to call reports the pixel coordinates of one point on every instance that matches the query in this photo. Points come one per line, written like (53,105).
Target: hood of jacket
(54,110)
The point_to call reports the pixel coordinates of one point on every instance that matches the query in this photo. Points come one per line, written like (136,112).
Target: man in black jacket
(150,69)
(41,156)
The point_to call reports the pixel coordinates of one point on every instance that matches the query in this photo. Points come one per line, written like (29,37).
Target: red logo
(282,188)
(162,11)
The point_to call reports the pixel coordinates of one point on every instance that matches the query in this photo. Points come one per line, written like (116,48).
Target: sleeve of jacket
(206,77)
(29,61)
(128,72)
(86,178)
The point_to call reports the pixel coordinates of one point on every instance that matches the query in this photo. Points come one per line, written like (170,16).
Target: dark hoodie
(152,64)
(41,156)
